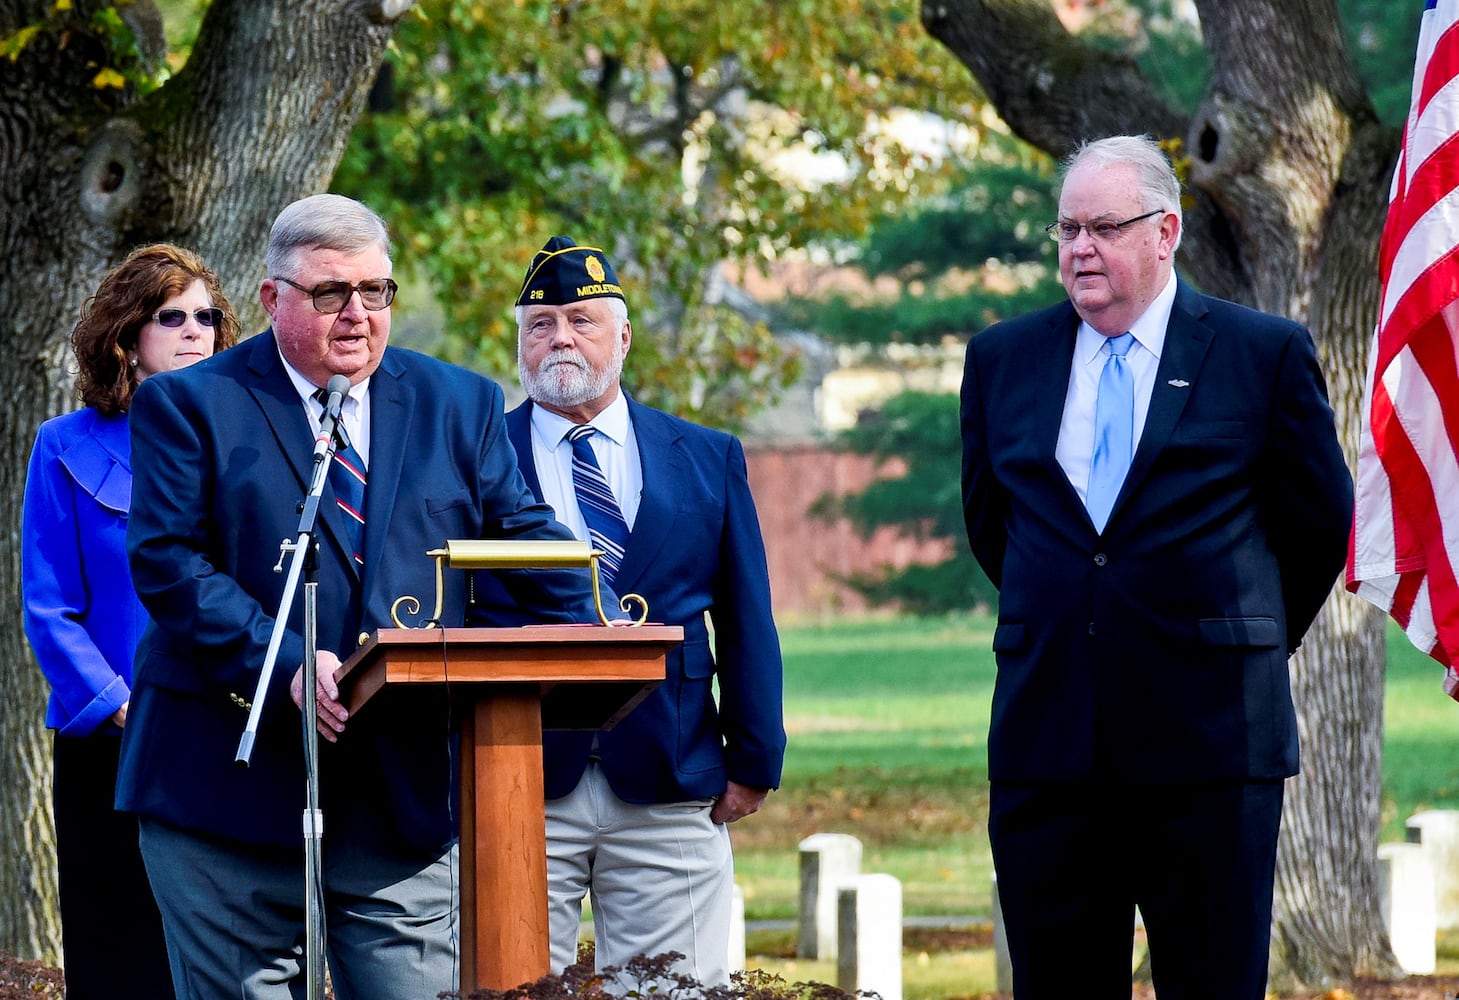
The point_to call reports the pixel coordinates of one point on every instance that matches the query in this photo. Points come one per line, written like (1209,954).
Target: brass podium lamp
(532,554)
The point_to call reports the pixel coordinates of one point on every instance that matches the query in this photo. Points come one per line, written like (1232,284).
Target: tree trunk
(258,117)
(1326,924)
(29,913)
(1323,932)
(1286,169)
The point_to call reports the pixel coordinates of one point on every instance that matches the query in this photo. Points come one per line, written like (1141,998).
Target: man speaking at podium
(222,458)
(636,815)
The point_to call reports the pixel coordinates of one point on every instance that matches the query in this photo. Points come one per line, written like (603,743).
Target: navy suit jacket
(695,549)
(222,457)
(1156,651)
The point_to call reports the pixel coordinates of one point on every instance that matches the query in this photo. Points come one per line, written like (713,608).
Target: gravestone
(1437,831)
(827,860)
(869,958)
(1406,895)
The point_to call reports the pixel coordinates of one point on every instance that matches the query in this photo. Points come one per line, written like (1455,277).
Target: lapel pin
(1179,383)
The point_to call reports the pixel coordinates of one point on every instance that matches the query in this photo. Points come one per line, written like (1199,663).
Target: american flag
(1405,544)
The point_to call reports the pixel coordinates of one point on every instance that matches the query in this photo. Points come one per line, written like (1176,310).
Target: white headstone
(827,861)
(870,932)
(1437,830)
(1406,895)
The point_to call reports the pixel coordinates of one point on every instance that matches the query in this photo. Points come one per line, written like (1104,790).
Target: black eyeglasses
(331,296)
(1105,230)
(174,318)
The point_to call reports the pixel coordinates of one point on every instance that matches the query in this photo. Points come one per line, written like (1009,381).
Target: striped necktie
(606,528)
(347,477)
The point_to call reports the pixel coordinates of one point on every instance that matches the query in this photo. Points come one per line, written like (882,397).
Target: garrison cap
(564,272)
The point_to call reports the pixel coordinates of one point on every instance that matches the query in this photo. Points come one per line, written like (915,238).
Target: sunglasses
(331,296)
(174,318)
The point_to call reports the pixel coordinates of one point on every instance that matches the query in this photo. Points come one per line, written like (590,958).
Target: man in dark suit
(1164,515)
(222,457)
(636,815)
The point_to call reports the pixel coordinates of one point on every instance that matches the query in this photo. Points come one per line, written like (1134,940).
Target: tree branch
(266,101)
(1055,91)
(1051,89)
(1269,142)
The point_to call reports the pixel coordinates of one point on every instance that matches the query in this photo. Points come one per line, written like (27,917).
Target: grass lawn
(887,720)
(1420,737)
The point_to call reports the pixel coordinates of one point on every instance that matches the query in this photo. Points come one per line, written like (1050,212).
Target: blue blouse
(82,615)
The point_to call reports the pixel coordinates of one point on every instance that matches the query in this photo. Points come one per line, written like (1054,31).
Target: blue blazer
(222,455)
(81,615)
(1156,651)
(695,548)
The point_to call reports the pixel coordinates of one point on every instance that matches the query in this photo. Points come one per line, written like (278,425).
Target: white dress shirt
(355,413)
(1075,448)
(615,448)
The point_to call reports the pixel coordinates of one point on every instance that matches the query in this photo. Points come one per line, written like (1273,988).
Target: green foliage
(919,589)
(1419,772)
(13,44)
(1161,40)
(1383,39)
(920,430)
(103,36)
(1380,34)
(995,210)
(912,318)
(967,256)
(181,20)
(665,132)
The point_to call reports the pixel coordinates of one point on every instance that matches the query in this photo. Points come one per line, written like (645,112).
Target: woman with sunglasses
(160,309)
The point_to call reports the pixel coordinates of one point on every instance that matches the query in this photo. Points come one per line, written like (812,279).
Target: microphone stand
(304,550)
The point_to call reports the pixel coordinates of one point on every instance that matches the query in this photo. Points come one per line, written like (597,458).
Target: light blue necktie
(1114,431)
(607,529)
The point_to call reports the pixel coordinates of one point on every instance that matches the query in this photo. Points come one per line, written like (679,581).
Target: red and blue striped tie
(606,528)
(347,476)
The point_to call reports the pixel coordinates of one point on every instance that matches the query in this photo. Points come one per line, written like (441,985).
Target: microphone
(335,391)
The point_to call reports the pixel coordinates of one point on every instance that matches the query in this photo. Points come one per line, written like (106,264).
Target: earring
(134,362)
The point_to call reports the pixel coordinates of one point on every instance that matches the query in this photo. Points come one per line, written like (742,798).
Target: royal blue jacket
(82,616)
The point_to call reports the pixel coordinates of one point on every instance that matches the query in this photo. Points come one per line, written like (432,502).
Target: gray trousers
(234,918)
(661,877)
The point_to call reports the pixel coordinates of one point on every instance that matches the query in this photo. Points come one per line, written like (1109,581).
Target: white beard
(565,378)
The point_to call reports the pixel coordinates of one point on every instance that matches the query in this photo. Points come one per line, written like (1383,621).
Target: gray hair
(323,222)
(617,306)
(1159,187)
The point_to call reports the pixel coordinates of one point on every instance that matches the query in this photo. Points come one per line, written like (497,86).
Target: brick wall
(806,554)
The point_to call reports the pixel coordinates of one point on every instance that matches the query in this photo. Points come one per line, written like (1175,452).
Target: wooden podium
(516,682)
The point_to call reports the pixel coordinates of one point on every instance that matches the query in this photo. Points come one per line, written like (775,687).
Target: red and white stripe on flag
(1404,549)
